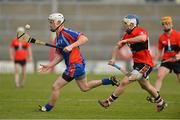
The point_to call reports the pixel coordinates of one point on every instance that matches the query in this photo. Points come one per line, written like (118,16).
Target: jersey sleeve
(141,32)
(75,34)
(122,38)
(12,43)
(27,45)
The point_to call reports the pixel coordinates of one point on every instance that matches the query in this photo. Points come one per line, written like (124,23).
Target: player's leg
(117,92)
(176,69)
(135,75)
(161,104)
(23,80)
(56,88)
(162,72)
(78,72)
(16,75)
(86,86)
(178,77)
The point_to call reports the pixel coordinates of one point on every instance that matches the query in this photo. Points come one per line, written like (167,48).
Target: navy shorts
(74,71)
(20,62)
(172,66)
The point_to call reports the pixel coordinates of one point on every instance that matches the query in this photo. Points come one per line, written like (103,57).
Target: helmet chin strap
(57,27)
(54,30)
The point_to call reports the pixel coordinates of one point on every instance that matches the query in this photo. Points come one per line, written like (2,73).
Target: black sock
(111,98)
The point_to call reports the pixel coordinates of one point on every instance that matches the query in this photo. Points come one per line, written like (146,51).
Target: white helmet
(56,17)
(20,29)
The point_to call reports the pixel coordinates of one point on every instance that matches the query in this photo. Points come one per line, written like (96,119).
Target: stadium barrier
(96,67)
(8,67)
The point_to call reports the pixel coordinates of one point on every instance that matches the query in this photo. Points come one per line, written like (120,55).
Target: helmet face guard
(131,19)
(54,30)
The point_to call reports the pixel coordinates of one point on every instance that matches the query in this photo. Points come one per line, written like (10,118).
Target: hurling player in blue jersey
(69,42)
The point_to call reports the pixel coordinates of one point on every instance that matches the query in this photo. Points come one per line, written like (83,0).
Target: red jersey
(140,52)
(170,44)
(20,49)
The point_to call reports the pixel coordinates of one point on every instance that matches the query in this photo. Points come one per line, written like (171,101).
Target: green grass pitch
(22,103)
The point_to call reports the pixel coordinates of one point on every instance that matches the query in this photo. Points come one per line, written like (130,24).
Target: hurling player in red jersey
(69,42)
(169,46)
(20,52)
(137,39)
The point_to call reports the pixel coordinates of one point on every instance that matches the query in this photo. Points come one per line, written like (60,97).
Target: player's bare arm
(140,38)
(58,58)
(11,52)
(114,54)
(30,58)
(82,40)
(159,54)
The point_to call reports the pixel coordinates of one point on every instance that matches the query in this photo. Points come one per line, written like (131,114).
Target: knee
(55,88)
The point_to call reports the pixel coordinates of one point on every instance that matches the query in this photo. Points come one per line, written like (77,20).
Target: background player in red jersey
(20,52)
(169,47)
(137,39)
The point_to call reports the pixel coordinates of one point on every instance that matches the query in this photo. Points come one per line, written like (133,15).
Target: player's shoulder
(176,32)
(70,30)
(162,35)
(140,29)
(15,40)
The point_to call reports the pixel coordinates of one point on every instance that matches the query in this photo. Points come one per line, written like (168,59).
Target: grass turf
(22,103)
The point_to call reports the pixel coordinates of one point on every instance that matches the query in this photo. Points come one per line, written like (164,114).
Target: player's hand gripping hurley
(175,58)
